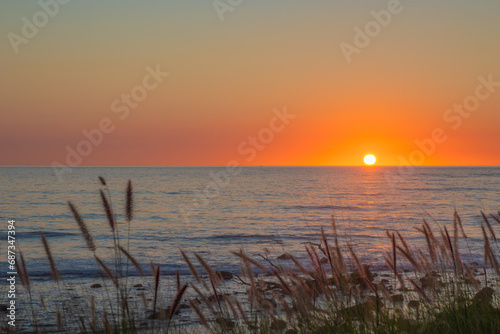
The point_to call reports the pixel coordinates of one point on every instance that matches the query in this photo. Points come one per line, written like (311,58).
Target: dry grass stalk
(83,227)
(177,301)
(431,234)
(22,272)
(202,318)
(132,260)
(178,280)
(361,270)
(489,256)
(492,232)
(330,258)
(214,278)
(129,202)
(450,248)
(459,221)
(108,271)
(52,263)
(103,182)
(409,257)
(156,273)
(191,267)
(204,299)
(108,211)
(284,285)
(430,244)
(495,218)
(394,254)
(247,259)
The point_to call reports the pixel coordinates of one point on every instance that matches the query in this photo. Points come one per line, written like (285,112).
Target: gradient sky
(227,76)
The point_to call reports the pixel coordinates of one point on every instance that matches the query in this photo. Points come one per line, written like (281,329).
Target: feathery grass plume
(22,271)
(450,247)
(495,218)
(458,259)
(132,259)
(394,255)
(204,298)
(409,257)
(83,227)
(53,268)
(424,260)
(492,232)
(455,235)
(202,318)
(403,242)
(108,271)
(129,202)
(340,258)
(361,270)
(487,248)
(177,301)
(245,258)
(444,247)
(157,284)
(390,264)
(489,256)
(191,266)
(178,280)
(310,250)
(334,226)
(430,245)
(108,211)
(459,221)
(328,254)
(214,278)
(431,234)
(216,294)
(319,267)
(103,182)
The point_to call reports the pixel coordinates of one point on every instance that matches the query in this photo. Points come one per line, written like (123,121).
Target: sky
(254,82)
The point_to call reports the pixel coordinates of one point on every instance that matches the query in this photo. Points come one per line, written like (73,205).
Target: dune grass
(424,290)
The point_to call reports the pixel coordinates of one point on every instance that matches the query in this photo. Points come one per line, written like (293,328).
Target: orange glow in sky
(166,83)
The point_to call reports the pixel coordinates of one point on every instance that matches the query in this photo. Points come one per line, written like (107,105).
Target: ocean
(216,210)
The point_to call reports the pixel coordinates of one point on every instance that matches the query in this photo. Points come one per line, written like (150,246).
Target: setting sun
(370,159)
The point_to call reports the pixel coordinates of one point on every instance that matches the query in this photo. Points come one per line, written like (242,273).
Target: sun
(370,159)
